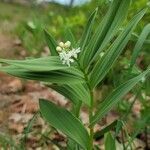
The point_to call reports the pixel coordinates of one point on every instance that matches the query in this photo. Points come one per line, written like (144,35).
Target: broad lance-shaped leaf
(104,64)
(47,69)
(51,43)
(75,92)
(38,64)
(105,31)
(109,141)
(116,96)
(67,76)
(64,121)
(139,44)
(88,30)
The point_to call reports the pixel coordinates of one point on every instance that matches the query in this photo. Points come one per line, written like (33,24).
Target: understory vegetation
(96,57)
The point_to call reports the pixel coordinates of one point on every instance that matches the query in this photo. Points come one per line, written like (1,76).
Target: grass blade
(109,142)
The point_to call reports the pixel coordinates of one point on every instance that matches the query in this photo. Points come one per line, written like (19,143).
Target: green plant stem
(91,108)
(90,118)
(123,140)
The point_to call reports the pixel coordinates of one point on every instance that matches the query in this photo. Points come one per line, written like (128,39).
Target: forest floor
(18,98)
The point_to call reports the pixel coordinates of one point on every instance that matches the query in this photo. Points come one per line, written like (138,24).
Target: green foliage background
(56,18)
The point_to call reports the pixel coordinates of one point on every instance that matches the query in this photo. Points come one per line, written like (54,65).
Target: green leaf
(116,96)
(74,92)
(38,64)
(27,130)
(139,44)
(72,145)
(51,43)
(100,133)
(69,36)
(47,69)
(109,142)
(120,124)
(88,30)
(104,64)
(105,31)
(67,76)
(64,121)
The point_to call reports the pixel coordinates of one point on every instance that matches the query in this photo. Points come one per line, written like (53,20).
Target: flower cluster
(66,53)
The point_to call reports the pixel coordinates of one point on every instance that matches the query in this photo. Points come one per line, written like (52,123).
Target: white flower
(67,44)
(61,44)
(58,48)
(74,52)
(66,58)
(66,54)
